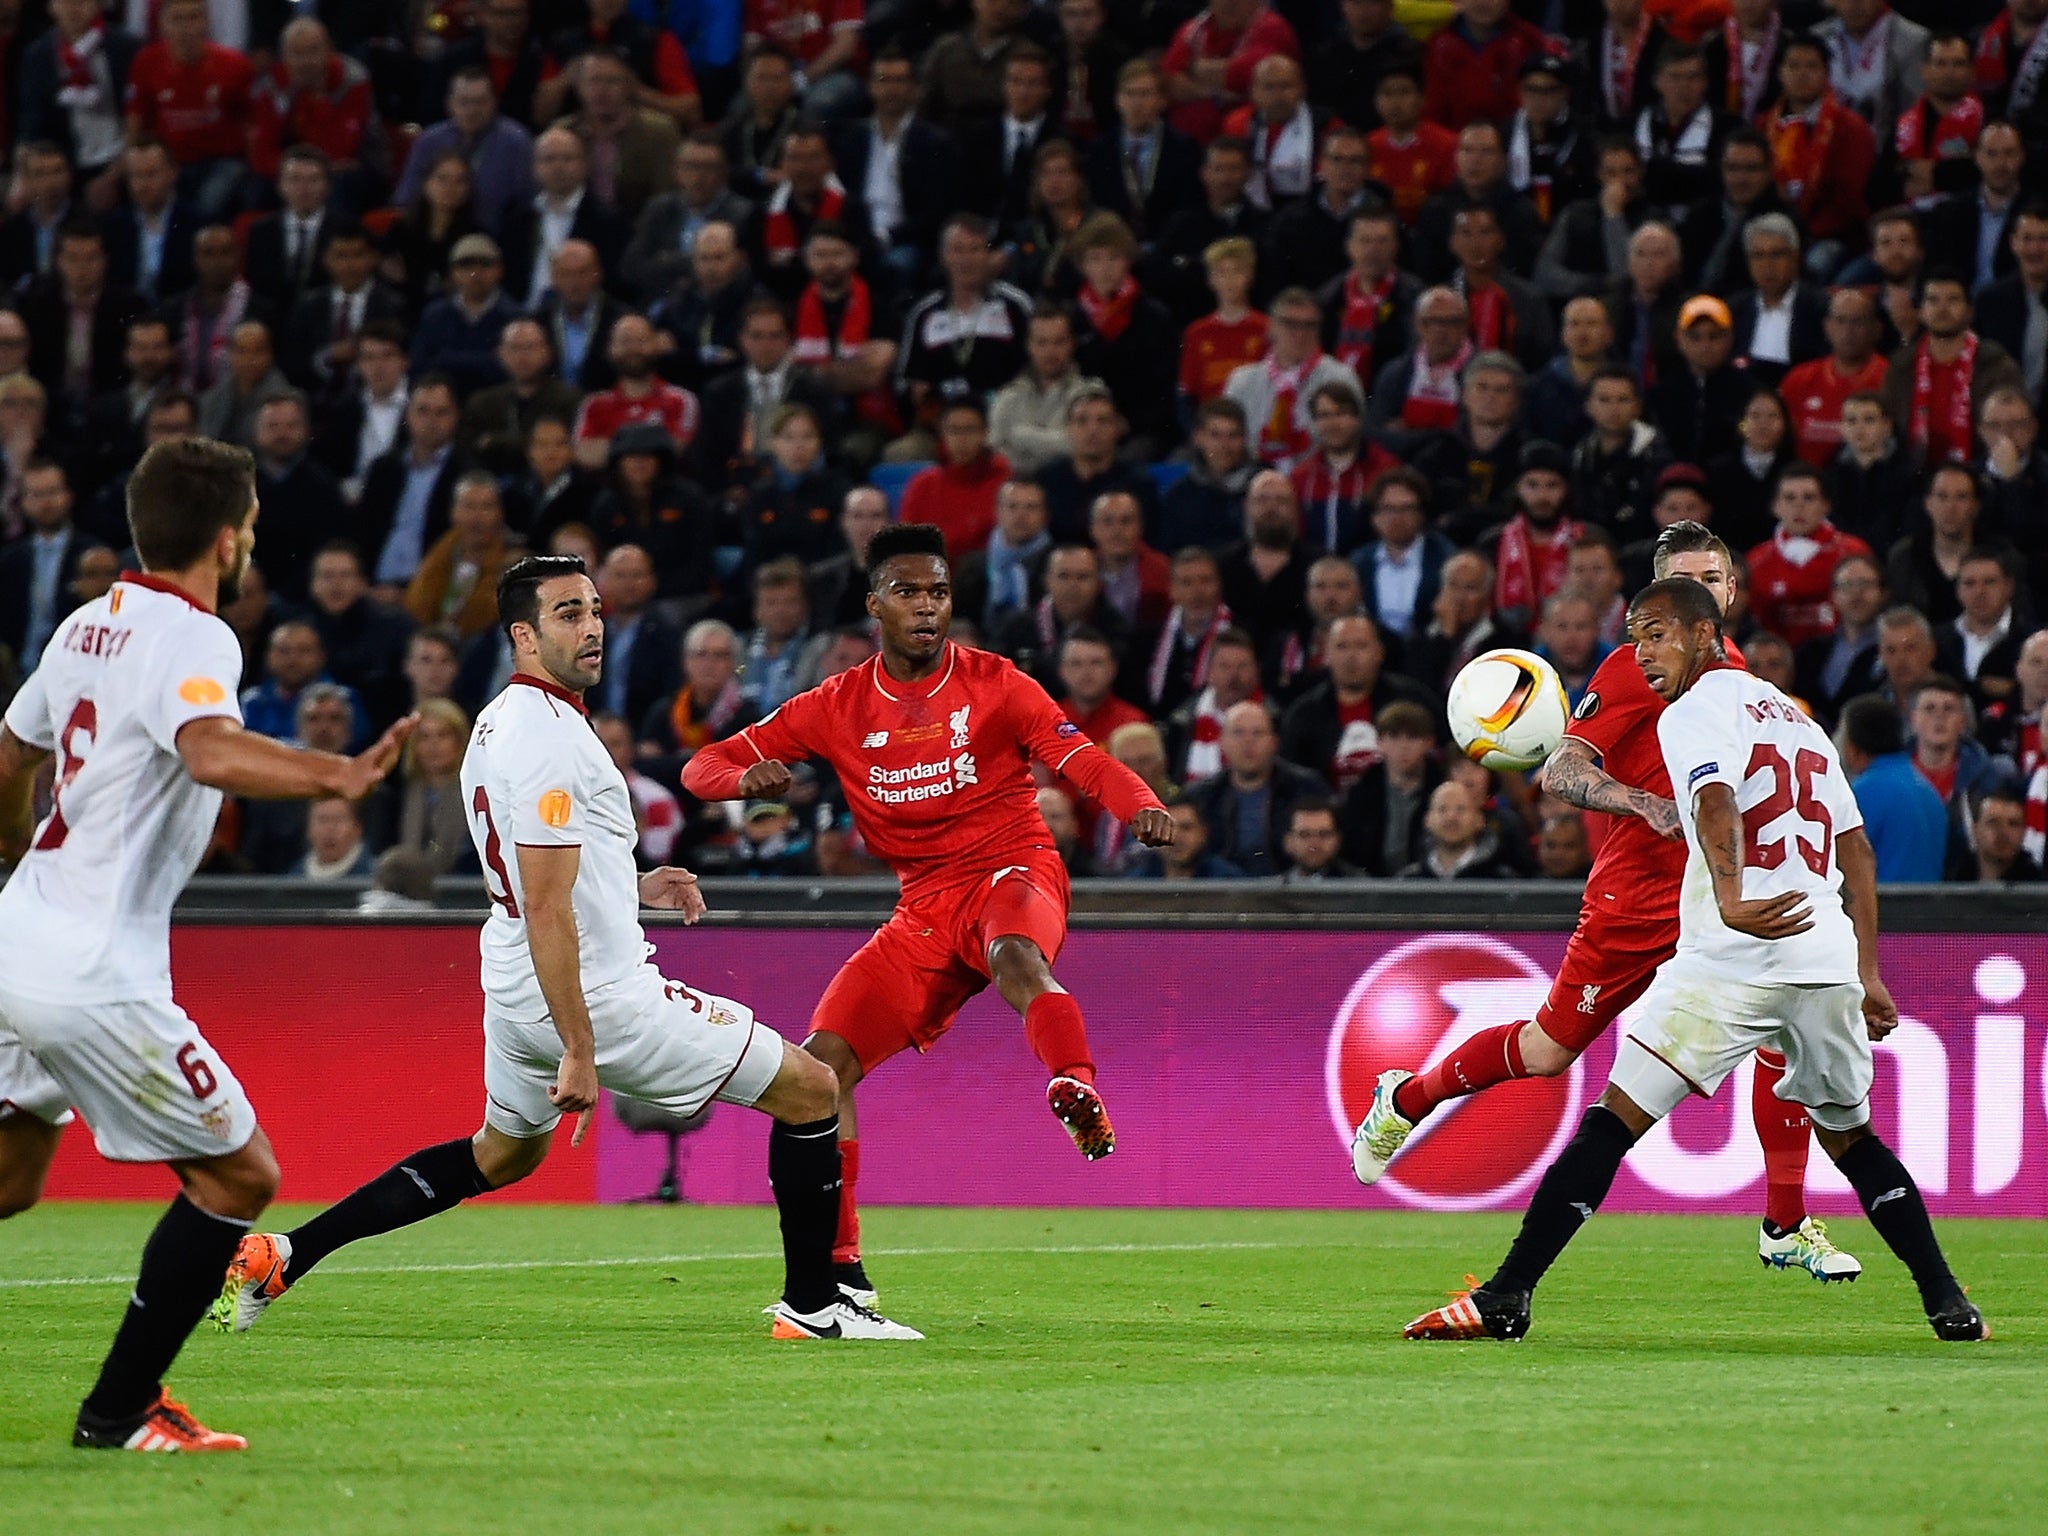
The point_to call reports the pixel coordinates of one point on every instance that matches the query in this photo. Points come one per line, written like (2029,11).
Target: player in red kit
(934,745)
(1628,928)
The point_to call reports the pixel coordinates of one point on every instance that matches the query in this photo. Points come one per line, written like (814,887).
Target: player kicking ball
(136,698)
(934,744)
(1628,927)
(1777,946)
(570,1002)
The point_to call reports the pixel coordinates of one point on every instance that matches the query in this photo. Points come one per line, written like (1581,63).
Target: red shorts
(903,987)
(1607,966)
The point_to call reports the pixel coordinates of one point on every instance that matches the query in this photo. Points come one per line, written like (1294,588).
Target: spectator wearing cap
(1531,551)
(1472,466)
(458,332)
(1872,478)
(1472,65)
(1480,164)
(1615,467)
(1679,494)
(1791,574)
(1552,144)
(1554,404)
(1587,249)
(646,502)
(1697,402)
(1780,320)
(1817,392)
(1841,665)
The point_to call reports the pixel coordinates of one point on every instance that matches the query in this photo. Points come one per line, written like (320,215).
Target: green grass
(1127,1372)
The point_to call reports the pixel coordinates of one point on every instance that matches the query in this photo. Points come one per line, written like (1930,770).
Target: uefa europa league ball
(1508,709)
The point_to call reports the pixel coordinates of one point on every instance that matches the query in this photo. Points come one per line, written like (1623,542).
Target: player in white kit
(571,1001)
(1777,947)
(136,698)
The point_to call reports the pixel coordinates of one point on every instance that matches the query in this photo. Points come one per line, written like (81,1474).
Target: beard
(1272,536)
(231,581)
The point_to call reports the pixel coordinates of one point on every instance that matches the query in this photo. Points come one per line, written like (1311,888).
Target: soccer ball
(1508,709)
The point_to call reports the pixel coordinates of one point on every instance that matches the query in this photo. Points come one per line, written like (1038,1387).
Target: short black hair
(1872,725)
(899,540)
(183,493)
(1690,602)
(519,587)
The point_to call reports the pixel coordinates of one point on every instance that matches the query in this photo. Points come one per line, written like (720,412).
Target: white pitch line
(506,1265)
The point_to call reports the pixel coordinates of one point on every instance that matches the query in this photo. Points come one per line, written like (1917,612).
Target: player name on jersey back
(536,775)
(1734,729)
(88,914)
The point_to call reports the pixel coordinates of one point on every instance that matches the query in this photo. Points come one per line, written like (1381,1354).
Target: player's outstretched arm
(19,763)
(1859,897)
(547,877)
(220,754)
(1575,778)
(1719,821)
(674,890)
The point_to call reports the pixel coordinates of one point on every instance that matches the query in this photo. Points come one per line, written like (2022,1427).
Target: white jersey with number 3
(1735,729)
(536,774)
(88,914)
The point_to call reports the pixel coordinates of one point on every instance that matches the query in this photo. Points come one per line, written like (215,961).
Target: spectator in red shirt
(1815,392)
(1936,136)
(638,396)
(1473,67)
(1409,155)
(194,95)
(1791,576)
(824,38)
(1088,667)
(1822,156)
(1936,385)
(1232,335)
(958,493)
(1210,62)
(313,95)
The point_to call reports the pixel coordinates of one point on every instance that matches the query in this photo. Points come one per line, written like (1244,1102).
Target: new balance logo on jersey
(875,739)
(963,768)
(958,721)
(1589,998)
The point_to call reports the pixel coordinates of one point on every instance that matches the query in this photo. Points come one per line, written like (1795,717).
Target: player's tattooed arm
(1573,776)
(19,763)
(1718,820)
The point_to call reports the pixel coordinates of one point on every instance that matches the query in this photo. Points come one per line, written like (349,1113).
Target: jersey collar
(882,678)
(158,584)
(574,700)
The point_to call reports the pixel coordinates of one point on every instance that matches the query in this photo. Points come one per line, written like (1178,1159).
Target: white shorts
(1696,1027)
(657,1040)
(141,1073)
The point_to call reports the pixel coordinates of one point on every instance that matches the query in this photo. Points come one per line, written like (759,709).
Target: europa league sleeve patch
(556,808)
(202,691)
(1589,706)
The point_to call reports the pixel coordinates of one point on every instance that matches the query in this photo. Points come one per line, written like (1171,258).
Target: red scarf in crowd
(74,60)
(1955,411)
(1490,317)
(1618,74)
(1532,566)
(1169,640)
(1996,66)
(1432,403)
(817,346)
(1954,135)
(1799,149)
(1283,436)
(1744,97)
(692,734)
(1111,317)
(1359,326)
(779,234)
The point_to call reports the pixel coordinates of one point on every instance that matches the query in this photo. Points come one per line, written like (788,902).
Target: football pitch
(600,1369)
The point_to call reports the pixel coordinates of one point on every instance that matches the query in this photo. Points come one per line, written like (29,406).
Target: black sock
(432,1180)
(183,1265)
(803,1167)
(1892,1202)
(1570,1193)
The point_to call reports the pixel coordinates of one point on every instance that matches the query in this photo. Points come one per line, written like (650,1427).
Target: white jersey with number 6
(536,774)
(88,914)
(1736,729)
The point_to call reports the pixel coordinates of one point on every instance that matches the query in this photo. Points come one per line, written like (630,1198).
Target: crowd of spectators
(1262,364)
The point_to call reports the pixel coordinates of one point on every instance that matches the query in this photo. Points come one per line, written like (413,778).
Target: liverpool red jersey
(937,773)
(1636,874)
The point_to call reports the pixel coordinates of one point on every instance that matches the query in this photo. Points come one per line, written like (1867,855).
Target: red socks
(1058,1037)
(846,1246)
(1786,1133)
(1489,1057)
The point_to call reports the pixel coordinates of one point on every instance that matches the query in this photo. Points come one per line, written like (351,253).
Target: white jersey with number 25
(1736,729)
(88,914)
(536,774)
